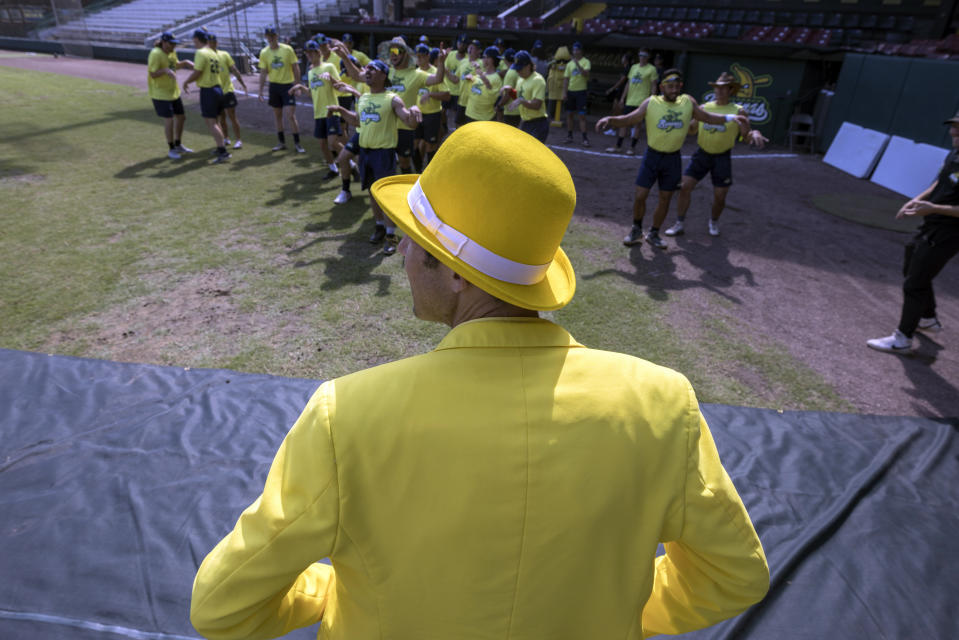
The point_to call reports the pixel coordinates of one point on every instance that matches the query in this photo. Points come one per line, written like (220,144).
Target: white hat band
(473,254)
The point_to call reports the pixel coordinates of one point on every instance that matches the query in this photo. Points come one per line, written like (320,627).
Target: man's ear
(458,284)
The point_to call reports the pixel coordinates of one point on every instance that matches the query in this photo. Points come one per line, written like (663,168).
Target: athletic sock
(176,143)
(296,138)
(221,150)
(584,136)
(619,142)
(281,137)
(654,229)
(172,145)
(635,140)
(346,184)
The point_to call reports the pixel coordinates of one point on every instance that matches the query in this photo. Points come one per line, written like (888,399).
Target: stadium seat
(802,126)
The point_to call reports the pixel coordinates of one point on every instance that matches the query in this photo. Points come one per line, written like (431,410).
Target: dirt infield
(790,263)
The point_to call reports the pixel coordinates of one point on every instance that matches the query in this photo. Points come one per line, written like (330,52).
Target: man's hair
(672,72)
(430,261)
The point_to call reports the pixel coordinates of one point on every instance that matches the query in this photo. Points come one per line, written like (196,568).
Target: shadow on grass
(354,265)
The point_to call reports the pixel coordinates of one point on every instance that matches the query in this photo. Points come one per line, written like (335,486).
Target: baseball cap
(347,38)
(422,48)
(269,31)
(538,44)
(201,34)
(509,53)
(521,59)
(424,39)
(461,37)
(321,38)
(476,43)
(379,65)
(498,42)
(953,120)
(491,52)
(643,53)
(166,36)
(577,45)
(210,36)
(312,45)
(434,54)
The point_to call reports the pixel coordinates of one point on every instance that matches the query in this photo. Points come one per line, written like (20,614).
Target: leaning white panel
(908,167)
(856,150)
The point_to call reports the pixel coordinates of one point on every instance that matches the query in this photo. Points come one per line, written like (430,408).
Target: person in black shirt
(933,246)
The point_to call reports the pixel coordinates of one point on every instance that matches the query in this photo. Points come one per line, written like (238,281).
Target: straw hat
(493,206)
(727,79)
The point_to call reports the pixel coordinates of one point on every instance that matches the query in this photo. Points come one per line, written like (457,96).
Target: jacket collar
(507,332)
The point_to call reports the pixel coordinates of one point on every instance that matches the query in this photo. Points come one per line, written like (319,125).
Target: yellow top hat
(493,206)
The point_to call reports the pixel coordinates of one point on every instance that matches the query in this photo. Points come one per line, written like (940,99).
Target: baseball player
(641,82)
(227,71)
(431,97)
(575,94)
(530,97)
(206,74)
(165,92)
(484,88)
(322,79)
(278,63)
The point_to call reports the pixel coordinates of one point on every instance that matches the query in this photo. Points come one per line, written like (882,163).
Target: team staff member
(406,81)
(451,106)
(378,114)
(642,81)
(933,246)
(206,73)
(278,63)
(531,98)
(484,88)
(511,483)
(510,115)
(713,156)
(227,71)
(427,134)
(575,95)
(667,119)
(165,92)
(321,80)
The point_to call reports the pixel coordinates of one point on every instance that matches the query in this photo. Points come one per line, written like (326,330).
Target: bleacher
(134,21)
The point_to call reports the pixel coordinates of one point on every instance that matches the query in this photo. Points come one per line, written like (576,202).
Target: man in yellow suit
(511,483)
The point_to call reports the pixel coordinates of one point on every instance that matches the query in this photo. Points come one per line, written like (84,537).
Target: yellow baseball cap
(492,205)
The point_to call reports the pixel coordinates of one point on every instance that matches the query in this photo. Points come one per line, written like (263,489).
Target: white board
(856,150)
(908,167)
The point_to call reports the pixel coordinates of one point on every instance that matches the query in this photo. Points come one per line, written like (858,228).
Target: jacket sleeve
(716,567)
(263,580)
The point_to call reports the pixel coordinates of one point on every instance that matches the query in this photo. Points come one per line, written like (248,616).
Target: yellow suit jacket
(509,484)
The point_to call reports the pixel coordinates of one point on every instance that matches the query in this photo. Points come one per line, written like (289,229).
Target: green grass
(113,251)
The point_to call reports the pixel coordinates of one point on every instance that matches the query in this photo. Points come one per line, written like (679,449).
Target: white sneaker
(279,147)
(613,149)
(238,145)
(677,229)
(181,149)
(713,227)
(173,155)
(896,343)
(226,142)
(299,149)
(343,197)
(930,325)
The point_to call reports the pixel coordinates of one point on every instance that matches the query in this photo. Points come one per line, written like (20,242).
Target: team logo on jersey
(277,63)
(478,90)
(370,112)
(317,82)
(672,120)
(714,128)
(396,86)
(756,107)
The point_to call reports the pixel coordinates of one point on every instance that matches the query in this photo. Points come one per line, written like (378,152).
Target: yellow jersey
(406,83)
(207,62)
(278,63)
(163,87)
(467,66)
(532,88)
(482,98)
(641,79)
(226,63)
(718,138)
(452,63)
(378,121)
(667,123)
(432,105)
(577,75)
(322,90)
(511,79)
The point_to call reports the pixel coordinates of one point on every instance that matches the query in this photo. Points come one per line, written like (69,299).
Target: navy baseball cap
(461,37)
(379,65)
(422,48)
(166,36)
(424,39)
(434,54)
(202,35)
(347,38)
(321,39)
(521,59)
(578,45)
(498,42)
(269,31)
(312,45)
(538,44)
(210,36)
(476,43)
(491,52)
(509,53)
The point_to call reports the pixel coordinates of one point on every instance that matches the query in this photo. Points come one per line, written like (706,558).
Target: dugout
(905,97)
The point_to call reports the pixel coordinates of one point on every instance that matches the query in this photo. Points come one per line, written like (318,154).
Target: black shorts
(346,102)
(429,129)
(460,113)
(229,100)
(374,164)
(168,108)
(353,146)
(666,168)
(452,103)
(512,121)
(280,95)
(576,102)
(404,143)
(718,165)
(211,101)
(537,127)
(329,126)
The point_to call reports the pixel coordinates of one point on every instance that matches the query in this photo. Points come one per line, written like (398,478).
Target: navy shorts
(404,143)
(374,164)
(211,101)
(280,95)
(167,108)
(452,103)
(429,129)
(353,146)
(324,128)
(667,168)
(346,102)
(229,100)
(537,127)
(719,166)
(576,101)
(512,121)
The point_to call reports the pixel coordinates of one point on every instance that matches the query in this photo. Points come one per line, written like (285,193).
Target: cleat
(298,148)
(391,242)
(613,149)
(181,149)
(330,175)
(378,234)
(896,343)
(714,228)
(929,325)
(652,238)
(635,236)
(677,229)
(173,155)
(279,147)
(630,152)
(585,142)
(226,142)
(343,197)
(222,157)
(238,145)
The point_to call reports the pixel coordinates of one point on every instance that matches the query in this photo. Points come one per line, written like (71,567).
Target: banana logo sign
(757,107)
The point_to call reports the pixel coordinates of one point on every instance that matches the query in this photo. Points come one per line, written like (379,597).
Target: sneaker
(652,237)
(635,236)
(279,147)
(896,343)
(391,242)
(677,229)
(714,227)
(299,149)
(238,145)
(378,234)
(226,142)
(930,325)
(585,142)
(222,157)
(613,149)
(181,149)
(330,175)
(630,152)
(173,155)
(343,197)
